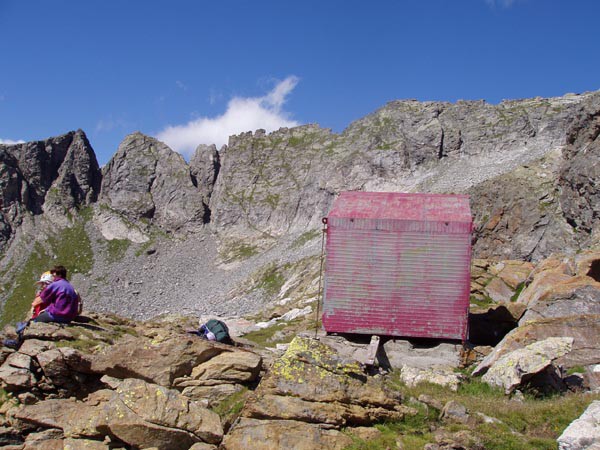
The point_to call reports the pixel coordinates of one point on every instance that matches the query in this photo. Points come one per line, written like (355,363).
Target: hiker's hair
(61,271)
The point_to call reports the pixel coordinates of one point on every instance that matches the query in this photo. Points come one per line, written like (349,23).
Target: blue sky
(192,72)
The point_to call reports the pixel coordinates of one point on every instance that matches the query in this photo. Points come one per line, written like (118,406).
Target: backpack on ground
(219,329)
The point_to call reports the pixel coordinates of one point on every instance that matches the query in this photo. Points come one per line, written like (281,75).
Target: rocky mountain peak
(147,180)
(50,176)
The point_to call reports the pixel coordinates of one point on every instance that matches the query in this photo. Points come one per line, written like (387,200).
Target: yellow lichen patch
(309,359)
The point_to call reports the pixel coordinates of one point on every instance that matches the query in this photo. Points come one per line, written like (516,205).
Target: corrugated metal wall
(398,277)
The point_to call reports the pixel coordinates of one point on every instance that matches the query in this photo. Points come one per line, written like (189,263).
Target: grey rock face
(204,167)
(145,179)
(580,174)
(506,156)
(52,176)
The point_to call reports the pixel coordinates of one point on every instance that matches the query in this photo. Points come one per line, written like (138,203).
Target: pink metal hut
(398,265)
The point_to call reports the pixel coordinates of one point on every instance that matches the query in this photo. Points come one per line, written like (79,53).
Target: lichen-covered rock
(140,414)
(83,444)
(209,396)
(513,273)
(512,369)
(563,300)
(310,383)
(443,376)
(313,371)
(498,290)
(584,432)
(165,408)
(576,299)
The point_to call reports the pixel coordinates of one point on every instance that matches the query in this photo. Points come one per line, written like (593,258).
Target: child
(38,304)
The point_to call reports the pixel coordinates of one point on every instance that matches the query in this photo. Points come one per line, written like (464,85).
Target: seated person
(61,297)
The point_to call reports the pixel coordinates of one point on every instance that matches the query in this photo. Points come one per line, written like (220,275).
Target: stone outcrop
(149,385)
(126,384)
(135,412)
(283,434)
(146,180)
(583,433)
(578,180)
(310,390)
(562,301)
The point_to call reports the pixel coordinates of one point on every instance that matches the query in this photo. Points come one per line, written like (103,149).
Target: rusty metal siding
(398,265)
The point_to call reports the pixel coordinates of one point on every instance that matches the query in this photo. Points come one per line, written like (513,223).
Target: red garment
(37,309)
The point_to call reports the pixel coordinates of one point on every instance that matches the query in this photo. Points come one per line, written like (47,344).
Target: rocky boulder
(563,302)
(583,433)
(519,366)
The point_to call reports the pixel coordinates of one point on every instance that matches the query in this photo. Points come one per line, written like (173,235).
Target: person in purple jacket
(62,298)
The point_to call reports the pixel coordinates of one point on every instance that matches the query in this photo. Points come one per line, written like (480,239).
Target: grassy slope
(70,247)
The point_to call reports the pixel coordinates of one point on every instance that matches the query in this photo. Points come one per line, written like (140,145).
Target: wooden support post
(372,350)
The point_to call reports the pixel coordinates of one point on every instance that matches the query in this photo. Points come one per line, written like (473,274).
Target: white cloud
(10,142)
(242,114)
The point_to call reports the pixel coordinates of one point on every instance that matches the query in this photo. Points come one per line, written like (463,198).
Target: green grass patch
(533,423)
(576,369)
(4,396)
(233,404)
(70,247)
(23,286)
(518,291)
(414,432)
(84,345)
(501,437)
(264,336)
(271,280)
(237,251)
(116,249)
(304,238)
(483,303)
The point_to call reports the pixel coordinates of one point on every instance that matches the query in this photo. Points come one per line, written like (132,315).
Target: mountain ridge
(255,196)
